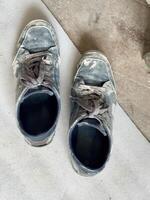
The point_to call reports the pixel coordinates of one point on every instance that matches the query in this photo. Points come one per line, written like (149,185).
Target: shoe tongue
(39,89)
(94,123)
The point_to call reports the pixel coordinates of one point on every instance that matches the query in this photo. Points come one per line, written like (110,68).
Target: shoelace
(90,98)
(36,69)
(96,101)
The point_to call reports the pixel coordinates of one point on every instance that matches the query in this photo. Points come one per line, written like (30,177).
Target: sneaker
(92,98)
(36,67)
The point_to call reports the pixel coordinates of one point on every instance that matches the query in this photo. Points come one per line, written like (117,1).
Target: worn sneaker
(36,67)
(93,96)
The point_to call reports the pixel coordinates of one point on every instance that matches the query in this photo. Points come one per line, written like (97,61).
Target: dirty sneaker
(92,97)
(36,67)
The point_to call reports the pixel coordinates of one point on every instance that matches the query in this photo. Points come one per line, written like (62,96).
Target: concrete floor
(121,29)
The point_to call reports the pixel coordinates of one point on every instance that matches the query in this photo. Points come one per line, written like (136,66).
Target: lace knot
(90,98)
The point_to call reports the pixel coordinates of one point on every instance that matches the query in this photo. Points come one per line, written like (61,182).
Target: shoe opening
(37,112)
(89,145)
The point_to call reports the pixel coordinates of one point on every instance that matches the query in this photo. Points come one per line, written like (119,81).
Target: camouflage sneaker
(36,67)
(93,96)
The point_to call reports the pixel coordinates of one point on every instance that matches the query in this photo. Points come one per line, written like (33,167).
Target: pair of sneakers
(36,66)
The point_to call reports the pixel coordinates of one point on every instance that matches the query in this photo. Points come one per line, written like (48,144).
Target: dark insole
(38,113)
(90,146)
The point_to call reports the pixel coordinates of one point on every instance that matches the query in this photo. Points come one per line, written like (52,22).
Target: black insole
(90,146)
(38,113)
